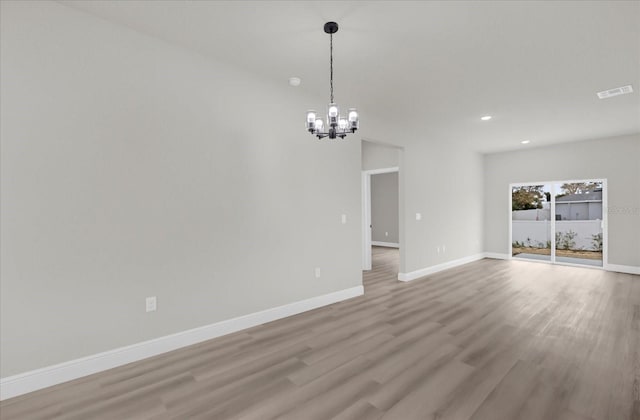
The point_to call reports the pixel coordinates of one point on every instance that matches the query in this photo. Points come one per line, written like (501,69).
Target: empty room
(319,210)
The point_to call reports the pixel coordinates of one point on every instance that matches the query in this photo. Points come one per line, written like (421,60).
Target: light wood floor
(489,340)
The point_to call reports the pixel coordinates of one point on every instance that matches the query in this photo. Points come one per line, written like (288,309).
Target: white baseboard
(497,256)
(439,267)
(387,244)
(628,269)
(34,380)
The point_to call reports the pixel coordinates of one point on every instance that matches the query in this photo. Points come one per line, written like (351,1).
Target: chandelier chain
(331,64)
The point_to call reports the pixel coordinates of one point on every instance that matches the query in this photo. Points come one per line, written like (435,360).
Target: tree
(527,198)
(578,188)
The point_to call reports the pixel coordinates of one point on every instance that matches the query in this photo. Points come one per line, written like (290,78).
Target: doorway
(381,221)
(562,222)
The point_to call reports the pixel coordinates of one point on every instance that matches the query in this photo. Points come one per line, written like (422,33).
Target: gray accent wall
(130,168)
(615,159)
(384,207)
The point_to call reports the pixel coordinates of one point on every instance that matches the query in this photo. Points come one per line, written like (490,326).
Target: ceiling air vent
(615,92)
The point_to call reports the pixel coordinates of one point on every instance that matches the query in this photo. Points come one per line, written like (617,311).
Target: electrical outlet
(151,304)
(317,272)
(386,234)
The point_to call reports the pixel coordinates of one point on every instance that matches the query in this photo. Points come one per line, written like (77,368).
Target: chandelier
(337,125)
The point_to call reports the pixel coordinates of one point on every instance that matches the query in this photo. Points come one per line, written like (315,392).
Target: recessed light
(525,141)
(294,81)
(486,118)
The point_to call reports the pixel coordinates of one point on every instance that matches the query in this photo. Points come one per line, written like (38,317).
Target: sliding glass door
(579,222)
(558,222)
(531,222)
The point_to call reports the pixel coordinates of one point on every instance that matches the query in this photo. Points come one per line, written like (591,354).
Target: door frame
(605,221)
(366,212)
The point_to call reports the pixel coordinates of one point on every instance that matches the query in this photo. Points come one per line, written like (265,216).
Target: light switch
(344,219)
(151,304)
(418,216)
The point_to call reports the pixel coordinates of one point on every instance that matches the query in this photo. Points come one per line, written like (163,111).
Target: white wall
(129,170)
(439,178)
(444,185)
(385,208)
(616,159)
(377,156)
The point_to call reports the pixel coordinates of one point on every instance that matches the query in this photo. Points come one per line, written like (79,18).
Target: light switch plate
(151,304)
(418,216)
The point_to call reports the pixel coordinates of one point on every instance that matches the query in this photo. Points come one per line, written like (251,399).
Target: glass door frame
(604,225)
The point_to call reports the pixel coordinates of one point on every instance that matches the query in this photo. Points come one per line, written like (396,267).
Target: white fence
(532,214)
(537,233)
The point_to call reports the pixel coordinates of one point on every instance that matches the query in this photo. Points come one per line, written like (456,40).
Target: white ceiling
(437,66)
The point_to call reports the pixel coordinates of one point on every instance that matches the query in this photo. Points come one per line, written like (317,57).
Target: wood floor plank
(330,403)
(361,410)
(280,403)
(473,392)
(221,389)
(488,340)
(337,359)
(405,381)
(510,395)
(427,397)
